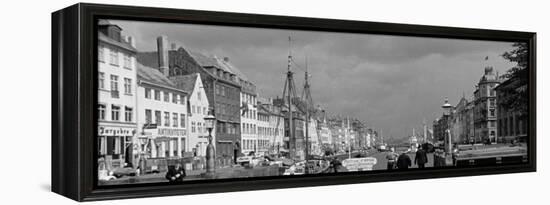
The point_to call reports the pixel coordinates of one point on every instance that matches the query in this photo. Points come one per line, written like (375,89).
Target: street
(382,161)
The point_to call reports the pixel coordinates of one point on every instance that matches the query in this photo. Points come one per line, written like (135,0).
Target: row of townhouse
(141,112)
(240,127)
(167,94)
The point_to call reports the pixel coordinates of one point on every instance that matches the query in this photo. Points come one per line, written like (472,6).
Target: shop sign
(171,132)
(359,164)
(115,131)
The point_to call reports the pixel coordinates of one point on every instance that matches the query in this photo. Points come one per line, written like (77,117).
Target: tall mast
(289,79)
(425,130)
(308,96)
(381,136)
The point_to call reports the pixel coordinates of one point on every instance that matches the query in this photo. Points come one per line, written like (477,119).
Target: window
(166,119)
(158,119)
(148,93)
(127,86)
(182,120)
(204,111)
(492,102)
(115,111)
(100,54)
(492,113)
(114,86)
(157,95)
(199,95)
(101,78)
(199,110)
(199,127)
(182,99)
(174,98)
(175,119)
(193,127)
(101,109)
(113,60)
(166,96)
(148,116)
(127,61)
(193,109)
(128,114)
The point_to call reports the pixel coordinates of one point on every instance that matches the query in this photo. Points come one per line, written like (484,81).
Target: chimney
(226,59)
(162,50)
(131,41)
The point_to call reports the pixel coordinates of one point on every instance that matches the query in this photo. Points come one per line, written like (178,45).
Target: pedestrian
(175,173)
(403,161)
(421,158)
(392,158)
(335,164)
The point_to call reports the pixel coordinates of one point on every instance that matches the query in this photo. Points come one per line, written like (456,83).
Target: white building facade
(116,96)
(313,136)
(272,122)
(198,107)
(264,131)
(162,115)
(249,134)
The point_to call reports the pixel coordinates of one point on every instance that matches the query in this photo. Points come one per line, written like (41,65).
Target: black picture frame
(74,99)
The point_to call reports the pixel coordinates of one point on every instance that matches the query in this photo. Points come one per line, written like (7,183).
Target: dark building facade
(220,85)
(462,122)
(512,125)
(442,124)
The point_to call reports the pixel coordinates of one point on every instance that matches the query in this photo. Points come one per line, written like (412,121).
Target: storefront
(115,145)
(163,142)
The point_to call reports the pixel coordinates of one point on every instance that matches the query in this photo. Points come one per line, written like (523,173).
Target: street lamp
(209,121)
(447,114)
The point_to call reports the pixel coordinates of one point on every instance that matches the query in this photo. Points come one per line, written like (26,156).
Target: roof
(124,45)
(232,69)
(214,61)
(203,60)
(153,76)
(185,82)
(264,110)
(103,22)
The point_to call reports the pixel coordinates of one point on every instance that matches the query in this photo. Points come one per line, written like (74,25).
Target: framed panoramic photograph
(156,102)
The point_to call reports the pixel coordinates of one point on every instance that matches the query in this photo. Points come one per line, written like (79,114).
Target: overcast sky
(392,83)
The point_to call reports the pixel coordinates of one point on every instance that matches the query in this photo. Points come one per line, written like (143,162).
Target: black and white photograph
(184,102)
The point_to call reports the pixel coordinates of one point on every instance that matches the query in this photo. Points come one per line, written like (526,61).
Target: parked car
(124,171)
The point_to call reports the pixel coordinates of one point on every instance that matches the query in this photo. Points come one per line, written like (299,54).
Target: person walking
(421,158)
(335,163)
(392,158)
(403,161)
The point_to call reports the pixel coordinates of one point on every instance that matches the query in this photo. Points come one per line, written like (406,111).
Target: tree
(516,97)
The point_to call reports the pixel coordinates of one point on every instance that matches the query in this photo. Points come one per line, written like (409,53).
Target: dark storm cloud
(393,83)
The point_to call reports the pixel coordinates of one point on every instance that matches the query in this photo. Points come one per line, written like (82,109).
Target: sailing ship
(301,137)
